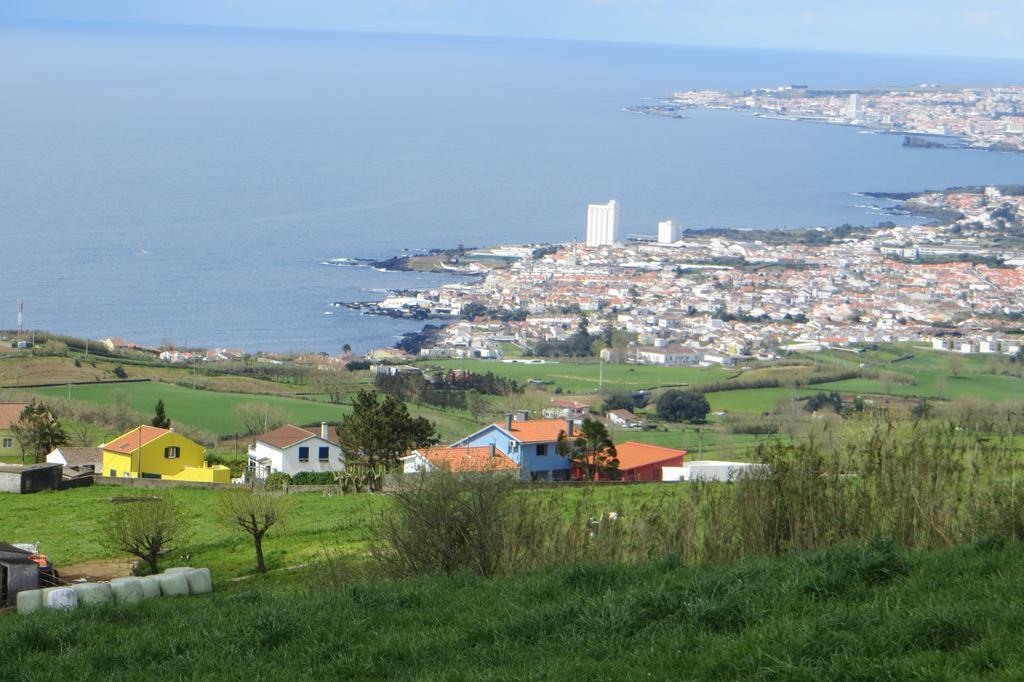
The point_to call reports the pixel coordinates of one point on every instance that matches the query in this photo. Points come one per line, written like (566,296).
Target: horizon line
(485,36)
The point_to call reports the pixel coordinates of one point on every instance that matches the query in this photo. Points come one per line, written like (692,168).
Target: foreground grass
(846,613)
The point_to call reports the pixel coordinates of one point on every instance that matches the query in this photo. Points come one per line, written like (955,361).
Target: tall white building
(853,107)
(602,224)
(669,232)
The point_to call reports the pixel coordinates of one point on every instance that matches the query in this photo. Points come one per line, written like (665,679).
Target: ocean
(187,184)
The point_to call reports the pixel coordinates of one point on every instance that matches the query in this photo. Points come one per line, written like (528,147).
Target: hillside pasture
(585,377)
(209,410)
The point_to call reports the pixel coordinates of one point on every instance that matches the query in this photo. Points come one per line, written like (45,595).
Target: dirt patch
(98,569)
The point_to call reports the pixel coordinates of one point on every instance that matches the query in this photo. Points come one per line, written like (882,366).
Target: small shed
(91,458)
(29,479)
(712,470)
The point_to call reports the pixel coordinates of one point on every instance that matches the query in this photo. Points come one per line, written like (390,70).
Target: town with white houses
(984,118)
(700,298)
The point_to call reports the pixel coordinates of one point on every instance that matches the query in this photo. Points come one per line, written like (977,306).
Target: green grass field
(864,612)
(585,377)
(68,526)
(209,410)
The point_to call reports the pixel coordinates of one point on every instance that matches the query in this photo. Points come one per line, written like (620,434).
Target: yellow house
(164,454)
(10,413)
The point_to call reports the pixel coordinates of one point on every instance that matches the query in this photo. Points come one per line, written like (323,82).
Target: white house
(625,418)
(672,355)
(293,449)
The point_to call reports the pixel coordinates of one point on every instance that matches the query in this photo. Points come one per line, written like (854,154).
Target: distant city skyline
(973,28)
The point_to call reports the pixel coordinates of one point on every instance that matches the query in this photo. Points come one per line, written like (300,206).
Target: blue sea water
(187,183)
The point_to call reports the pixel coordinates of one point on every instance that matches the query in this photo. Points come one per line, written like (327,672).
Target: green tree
(37,431)
(619,401)
(590,448)
(379,431)
(955,366)
(147,529)
(255,513)
(678,406)
(160,419)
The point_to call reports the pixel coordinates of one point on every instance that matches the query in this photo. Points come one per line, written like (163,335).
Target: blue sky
(992,28)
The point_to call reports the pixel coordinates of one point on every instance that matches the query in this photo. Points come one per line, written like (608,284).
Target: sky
(978,28)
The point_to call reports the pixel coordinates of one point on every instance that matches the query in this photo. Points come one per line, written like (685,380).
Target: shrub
(314,478)
(277,480)
(443,523)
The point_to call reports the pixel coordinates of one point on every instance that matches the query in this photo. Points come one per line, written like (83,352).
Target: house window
(303,454)
(542,449)
(151,476)
(8,443)
(172,452)
(324,454)
(113,473)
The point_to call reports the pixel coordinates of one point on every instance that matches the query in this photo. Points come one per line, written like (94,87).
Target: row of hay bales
(174,582)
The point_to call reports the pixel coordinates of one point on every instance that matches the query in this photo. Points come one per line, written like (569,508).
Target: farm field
(716,444)
(849,612)
(68,524)
(584,377)
(210,410)
(68,527)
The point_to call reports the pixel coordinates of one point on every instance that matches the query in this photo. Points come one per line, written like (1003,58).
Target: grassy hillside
(210,410)
(846,613)
(585,377)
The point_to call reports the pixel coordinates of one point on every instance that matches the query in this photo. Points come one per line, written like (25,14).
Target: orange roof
(129,442)
(633,455)
(535,430)
(10,413)
(288,434)
(469,459)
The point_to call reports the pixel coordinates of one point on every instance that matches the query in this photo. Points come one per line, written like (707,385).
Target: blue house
(530,443)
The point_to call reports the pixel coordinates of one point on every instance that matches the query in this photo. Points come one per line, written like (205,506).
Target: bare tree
(255,513)
(146,528)
(260,417)
(79,434)
(122,416)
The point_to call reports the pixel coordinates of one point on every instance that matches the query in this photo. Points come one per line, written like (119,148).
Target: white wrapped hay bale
(127,590)
(178,569)
(60,598)
(173,584)
(93,593)
(150,586)
(29,601)
(199,581)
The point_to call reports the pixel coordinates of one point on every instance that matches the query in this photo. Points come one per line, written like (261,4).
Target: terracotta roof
(469,459)
(129,442)
(10,413)
(535,430)
(289,434)
(79,456)
(632,455)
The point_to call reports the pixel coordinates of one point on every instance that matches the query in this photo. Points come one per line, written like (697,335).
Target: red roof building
(641,462)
